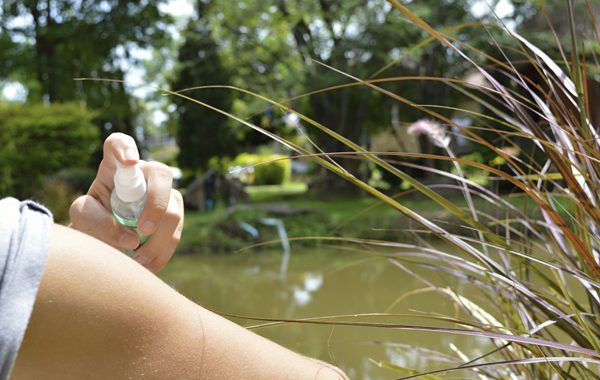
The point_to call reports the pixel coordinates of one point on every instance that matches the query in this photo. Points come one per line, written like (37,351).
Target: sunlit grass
(266,192)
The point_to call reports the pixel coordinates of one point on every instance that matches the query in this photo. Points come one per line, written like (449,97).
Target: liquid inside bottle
(127,213)
(128,198)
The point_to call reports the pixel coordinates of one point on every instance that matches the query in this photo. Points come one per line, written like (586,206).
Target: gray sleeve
(25,229)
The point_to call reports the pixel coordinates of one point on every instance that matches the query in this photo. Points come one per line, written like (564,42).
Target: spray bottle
(129,196)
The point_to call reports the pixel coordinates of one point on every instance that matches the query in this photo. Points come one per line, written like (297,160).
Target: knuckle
(158,263)
(154,267)
(177,195)
(161,170)
(159,207)
(76,209)
(173,214)
(179,229)
(161,260)
(77,204)
(106,168)
(176,203)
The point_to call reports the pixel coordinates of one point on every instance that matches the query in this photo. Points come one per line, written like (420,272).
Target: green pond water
(330,281)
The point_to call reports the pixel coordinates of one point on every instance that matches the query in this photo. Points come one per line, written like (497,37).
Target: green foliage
(45,44)
(287,190)
(202,133)
(57,195)
(475,175)
(38,141)
(61,189)
(276,49)
(274,173)
(218,231)
(264,169)
(79,179)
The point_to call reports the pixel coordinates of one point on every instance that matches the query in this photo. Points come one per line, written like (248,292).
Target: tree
(275,49)
(202,133)
(45,44)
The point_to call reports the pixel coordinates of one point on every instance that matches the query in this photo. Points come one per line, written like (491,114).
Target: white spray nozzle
(130,183)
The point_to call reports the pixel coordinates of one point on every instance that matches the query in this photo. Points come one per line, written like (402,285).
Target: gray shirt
(25,229)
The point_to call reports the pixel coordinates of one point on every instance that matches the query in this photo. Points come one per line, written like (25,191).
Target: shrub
(78,179)
(264,169)
(39,140)
(57,195)
(274,173)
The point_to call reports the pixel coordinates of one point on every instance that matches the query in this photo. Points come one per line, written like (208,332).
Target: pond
(327,281)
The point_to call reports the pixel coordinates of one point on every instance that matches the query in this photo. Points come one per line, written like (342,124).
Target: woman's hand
(161,219)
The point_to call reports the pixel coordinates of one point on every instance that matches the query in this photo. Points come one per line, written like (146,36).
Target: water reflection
(324,283)
(312,283)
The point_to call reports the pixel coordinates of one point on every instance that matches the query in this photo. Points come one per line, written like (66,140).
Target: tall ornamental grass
(538,272)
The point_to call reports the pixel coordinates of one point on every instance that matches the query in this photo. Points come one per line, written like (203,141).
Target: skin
(101,315)
(161,219)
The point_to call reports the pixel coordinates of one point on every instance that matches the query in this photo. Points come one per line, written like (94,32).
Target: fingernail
(147,227)
(131,154)
(129,240)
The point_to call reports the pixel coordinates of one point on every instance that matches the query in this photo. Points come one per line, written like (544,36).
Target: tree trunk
(343,112)
(45,50)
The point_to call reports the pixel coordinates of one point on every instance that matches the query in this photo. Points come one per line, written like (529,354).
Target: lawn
(266,192)
(220,231)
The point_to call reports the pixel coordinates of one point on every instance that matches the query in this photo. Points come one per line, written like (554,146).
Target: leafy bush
(475,175)
(39,140)
(78,179)
(57,195)
(263,169)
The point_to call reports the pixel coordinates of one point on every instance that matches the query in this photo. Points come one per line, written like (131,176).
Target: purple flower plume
(433,130)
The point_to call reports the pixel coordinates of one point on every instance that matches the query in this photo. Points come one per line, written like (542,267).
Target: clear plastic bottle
(129,196)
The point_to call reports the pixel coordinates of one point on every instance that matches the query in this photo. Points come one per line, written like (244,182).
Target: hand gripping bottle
(129,196)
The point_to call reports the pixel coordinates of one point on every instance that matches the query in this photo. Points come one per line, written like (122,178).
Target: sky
(178,8)
(181,9)
(502,9)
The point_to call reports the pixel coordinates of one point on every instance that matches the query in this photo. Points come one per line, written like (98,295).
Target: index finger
(121,147)
(117,147)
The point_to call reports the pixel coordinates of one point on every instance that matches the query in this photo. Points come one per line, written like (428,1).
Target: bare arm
(99,314)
